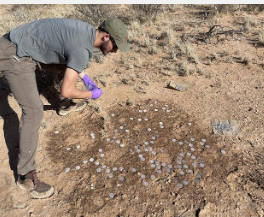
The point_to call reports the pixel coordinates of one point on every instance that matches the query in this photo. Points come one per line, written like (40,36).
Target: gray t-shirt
(57,41)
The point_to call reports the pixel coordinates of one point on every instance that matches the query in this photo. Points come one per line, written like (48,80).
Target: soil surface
(144,149)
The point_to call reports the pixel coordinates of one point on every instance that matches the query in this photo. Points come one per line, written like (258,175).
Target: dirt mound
(138,158)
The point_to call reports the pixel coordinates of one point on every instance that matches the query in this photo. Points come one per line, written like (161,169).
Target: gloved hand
(89,84)
(96,93)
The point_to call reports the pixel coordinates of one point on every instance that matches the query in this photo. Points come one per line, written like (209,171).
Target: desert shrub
(254,7)
(227,8)
(95,13)
(147,12)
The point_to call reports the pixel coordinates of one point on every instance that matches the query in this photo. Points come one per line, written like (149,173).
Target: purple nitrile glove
(96,93)
(89,84)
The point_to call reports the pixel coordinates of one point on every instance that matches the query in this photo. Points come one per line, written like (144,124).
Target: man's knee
(36,113)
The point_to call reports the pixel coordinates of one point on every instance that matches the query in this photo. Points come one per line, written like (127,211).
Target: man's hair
(102,29)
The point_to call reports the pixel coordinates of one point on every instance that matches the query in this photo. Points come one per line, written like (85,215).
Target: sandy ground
(138,166)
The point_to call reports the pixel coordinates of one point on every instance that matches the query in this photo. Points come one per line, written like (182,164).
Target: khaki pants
(20,74)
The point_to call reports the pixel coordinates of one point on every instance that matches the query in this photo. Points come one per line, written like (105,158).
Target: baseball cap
(118,31)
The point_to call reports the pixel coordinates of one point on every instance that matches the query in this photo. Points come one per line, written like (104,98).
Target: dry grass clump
(249,22)
(210,58)
(186,50)
(186,69)
(253,8)
(95,13)
(147,12)
(140,89)
(261,37)
(226,8)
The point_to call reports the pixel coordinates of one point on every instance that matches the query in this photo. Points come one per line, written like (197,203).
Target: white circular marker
(185,182)
(163,164)
(202,165)
(133,170)
(223,151)
(179,185)
(145,183)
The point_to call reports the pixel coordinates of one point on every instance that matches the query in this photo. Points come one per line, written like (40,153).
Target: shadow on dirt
(11,125)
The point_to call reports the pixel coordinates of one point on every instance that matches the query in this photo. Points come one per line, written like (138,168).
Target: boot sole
(42,195)
(21,186)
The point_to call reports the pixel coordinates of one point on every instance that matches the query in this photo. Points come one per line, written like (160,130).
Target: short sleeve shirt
(56,41)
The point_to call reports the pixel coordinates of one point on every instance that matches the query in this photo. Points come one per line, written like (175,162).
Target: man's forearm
(68,89)
(77,94)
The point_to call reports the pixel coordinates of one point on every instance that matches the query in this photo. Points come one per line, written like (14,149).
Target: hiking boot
(34,186)
(65,103)
(74,107)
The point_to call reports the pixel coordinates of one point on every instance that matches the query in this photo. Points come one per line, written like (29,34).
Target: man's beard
(103,47)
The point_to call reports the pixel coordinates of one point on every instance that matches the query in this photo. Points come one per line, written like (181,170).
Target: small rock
(177,86)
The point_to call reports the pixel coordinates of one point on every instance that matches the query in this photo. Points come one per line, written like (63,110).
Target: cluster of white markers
(185,165)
